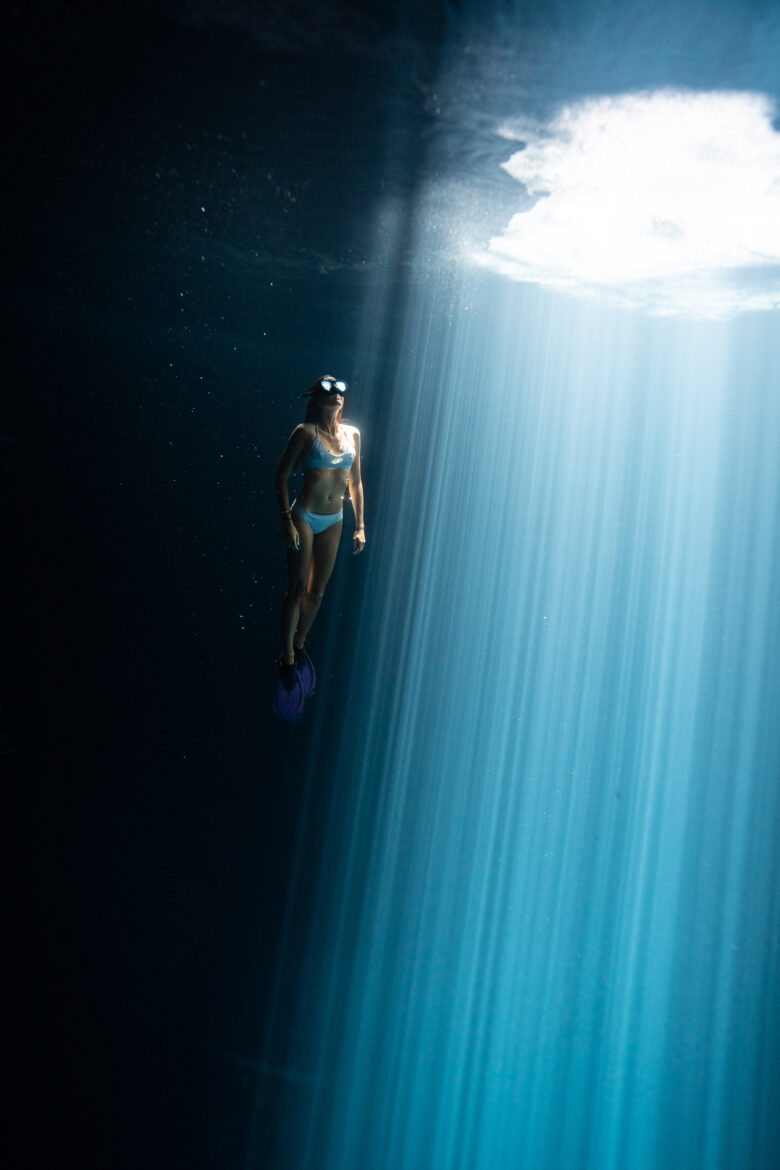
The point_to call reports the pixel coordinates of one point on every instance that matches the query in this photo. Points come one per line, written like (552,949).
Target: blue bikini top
(318,455)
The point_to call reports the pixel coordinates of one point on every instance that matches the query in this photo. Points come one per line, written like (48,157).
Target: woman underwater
(328,451)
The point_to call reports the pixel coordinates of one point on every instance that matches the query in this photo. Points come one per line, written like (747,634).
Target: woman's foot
(288,675)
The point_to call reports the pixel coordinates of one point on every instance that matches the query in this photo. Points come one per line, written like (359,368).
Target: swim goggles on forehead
(328,386)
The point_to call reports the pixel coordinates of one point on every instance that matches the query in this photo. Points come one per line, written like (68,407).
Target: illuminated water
(545,924)
(545,931)
(545,927)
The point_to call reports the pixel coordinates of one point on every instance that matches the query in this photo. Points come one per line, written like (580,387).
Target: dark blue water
(508,895)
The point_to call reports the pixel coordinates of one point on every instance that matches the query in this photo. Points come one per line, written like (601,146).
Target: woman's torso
(326,470)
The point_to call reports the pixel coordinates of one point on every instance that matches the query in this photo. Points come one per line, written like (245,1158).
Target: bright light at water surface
(668,201)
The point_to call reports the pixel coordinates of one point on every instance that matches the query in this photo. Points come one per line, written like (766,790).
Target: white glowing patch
(668,201)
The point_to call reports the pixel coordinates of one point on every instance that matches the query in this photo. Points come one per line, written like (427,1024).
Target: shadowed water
(507,897)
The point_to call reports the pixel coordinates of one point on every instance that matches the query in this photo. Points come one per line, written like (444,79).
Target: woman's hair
(313,405)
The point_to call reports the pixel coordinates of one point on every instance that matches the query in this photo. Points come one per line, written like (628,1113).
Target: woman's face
(330,402)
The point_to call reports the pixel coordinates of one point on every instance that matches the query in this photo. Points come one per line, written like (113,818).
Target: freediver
(328,452)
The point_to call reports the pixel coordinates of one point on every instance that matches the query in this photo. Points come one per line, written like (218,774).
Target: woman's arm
(356,495)
(292,453)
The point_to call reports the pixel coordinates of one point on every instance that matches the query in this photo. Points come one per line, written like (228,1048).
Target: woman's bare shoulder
(301,435)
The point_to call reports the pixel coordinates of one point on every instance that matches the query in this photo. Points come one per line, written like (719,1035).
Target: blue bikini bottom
(317,522)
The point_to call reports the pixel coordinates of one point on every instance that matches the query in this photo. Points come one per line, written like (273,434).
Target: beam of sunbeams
(543,932)
(544,921)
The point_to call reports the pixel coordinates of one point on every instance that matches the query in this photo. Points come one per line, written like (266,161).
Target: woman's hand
(292,537)
(358,541)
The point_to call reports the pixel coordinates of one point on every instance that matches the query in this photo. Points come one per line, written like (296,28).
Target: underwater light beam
(665,201)
(542,931)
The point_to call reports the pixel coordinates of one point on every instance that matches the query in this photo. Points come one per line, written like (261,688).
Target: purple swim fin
(288,705)
(306,672)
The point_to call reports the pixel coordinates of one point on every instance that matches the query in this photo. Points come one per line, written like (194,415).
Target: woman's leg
(299,564)
(325,547)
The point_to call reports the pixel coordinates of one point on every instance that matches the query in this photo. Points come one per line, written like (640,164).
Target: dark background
(189,241)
